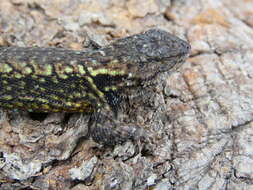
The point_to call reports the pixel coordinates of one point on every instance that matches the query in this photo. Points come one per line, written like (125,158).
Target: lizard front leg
(107,129)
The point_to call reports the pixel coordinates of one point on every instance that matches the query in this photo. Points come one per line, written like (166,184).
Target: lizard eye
(129,66)
(148,49)
(141,64)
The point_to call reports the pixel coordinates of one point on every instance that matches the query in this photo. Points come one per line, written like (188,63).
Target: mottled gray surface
(199,119)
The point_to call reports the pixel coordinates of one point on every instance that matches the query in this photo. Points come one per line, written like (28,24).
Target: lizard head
(150,53)
(134,61)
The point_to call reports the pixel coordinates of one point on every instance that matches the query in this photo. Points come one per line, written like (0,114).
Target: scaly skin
(61,80)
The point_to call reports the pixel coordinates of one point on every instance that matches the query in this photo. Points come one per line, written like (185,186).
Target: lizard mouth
(153,69)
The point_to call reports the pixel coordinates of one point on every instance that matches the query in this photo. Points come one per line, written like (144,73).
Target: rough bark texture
(199,118)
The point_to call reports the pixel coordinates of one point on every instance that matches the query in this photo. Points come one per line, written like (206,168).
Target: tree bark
(199,118)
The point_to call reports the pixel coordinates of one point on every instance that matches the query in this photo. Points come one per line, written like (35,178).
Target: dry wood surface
(200,118)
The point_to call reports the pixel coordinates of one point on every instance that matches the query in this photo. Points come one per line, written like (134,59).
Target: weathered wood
(199,119)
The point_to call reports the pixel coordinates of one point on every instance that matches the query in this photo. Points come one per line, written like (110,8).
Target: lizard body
(61,80)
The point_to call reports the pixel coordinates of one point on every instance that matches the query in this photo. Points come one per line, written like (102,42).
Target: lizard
(93,82)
